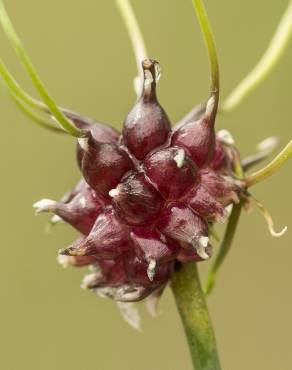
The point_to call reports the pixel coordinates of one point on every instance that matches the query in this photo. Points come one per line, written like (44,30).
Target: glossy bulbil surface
(147,197)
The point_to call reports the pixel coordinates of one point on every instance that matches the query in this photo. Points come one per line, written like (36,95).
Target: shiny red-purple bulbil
(147,197)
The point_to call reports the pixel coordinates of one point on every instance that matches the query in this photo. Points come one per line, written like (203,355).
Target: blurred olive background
(83,54)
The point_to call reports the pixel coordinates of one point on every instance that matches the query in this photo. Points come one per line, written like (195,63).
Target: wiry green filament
(271,168)
(224,247)
(17,90)
(37,118)
(135,34)
(266,64)
(211,48)
(25,60)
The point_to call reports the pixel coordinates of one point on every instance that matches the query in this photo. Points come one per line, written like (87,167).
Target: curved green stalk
(266,64)
(224,247)
(271,168)
(135,35)
(193,310)
(25,60)
(37,118)
(264,149)
(211,48)
(17,90)
(228,235)
(25,102)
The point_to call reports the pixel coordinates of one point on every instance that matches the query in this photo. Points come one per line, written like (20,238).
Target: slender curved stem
(224,247)
(264,149)
(18,91)
(25,102)
(193,310)
(25,60)
(211,48)
(37,118)
(266,64)
(135,35)
(271,168)
(268,218)
(228,235)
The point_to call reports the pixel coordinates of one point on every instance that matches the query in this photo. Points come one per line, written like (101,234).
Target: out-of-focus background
(82,52)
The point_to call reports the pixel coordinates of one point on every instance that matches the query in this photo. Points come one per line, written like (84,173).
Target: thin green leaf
(136,38)
(266,64)
(37,118)
(224,247)
(271,168)
(25,60)
(211,48)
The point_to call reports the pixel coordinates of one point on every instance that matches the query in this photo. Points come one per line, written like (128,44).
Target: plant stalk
(224,248)
(266,64)
(193,310)
(270,168)
(208,36)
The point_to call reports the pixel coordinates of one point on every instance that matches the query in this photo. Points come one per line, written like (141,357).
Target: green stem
(264,149)
(25,60)
(266,64)
(25,102)
(224,248)
(37,118)
(135,35)
(18,91)
(271,168)
(193,310)
(211,48)
(30,105)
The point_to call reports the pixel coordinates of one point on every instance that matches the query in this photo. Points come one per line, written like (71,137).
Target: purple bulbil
(147,198)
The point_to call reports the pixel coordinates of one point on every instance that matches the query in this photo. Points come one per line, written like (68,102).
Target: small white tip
(83,142)
(228,209)
(113,193)
(280,233)
(130,314)
(204,240)
(268,144)
(210,105)
(226,137)
(157,72)
(179,158)
(151,270)
(56,219)
(44,205)
(201,245)
(63,260)
(88,280)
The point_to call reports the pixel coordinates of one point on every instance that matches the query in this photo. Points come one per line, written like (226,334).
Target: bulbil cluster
(147,197)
